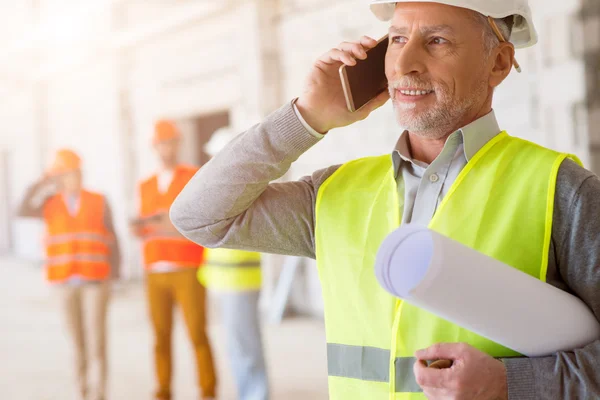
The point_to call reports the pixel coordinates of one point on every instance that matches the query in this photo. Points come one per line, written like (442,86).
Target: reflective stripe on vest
(160,235)
(370,364)
(67,258)
(231,270)
(507,182)
(77,244)
(160,246)
(84,242)
(81,236)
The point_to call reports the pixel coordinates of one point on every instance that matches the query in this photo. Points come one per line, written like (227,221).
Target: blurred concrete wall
(135,61)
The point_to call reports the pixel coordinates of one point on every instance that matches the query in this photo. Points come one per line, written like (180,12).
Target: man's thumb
(439,351)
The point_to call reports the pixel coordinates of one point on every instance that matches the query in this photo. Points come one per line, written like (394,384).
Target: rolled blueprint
(482,294)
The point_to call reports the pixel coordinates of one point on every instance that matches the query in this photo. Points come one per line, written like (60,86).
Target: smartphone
(365,80)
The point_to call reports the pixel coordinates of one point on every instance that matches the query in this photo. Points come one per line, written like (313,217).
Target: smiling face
(438,68)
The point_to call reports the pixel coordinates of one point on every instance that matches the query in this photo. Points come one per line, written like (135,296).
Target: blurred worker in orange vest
(82,256)
(170,261)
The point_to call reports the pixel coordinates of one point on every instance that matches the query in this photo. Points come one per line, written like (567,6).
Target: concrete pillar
(266,97)
(592,104)
(590,116)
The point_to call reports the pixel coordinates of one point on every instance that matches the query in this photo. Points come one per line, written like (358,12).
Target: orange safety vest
(160,246)
(77,245)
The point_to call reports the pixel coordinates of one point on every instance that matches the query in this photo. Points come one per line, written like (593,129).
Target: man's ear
(503,63)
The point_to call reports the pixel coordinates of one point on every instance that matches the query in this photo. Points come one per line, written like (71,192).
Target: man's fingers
(356,49)
(348,52)
(441,364)
(337,55)
(368,42)
(374,104)
(430,377)
(449,351)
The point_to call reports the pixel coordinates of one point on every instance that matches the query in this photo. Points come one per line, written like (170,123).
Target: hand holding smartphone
(365,80)
(325,102)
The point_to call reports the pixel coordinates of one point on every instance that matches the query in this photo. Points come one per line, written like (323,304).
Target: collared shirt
(73,204)
(423,186)
(164,177)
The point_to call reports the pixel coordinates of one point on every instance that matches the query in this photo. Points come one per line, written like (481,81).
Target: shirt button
(433,178)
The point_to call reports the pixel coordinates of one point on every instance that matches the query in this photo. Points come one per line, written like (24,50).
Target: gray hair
(490,40)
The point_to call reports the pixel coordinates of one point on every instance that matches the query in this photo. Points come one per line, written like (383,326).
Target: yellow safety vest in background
(501,205)
(230,270)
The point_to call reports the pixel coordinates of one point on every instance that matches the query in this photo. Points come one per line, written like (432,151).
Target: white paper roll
(482,294)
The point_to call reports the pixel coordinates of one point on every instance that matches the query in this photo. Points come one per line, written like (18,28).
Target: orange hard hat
(65,161)
(165,130)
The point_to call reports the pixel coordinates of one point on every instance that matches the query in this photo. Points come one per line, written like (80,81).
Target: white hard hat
(523,34)
(219,139)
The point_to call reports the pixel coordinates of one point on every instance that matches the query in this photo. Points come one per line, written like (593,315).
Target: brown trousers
(164,291)
(85,310)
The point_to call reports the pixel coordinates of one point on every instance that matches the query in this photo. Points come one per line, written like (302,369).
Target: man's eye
(399,39)
(438,40)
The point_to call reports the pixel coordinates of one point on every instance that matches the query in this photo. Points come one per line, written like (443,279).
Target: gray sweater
(232,203)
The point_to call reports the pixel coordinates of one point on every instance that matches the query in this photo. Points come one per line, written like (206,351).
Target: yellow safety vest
(230,270)
(501,205)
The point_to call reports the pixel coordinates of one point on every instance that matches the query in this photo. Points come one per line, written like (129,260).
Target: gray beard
(441,119)
(433,123)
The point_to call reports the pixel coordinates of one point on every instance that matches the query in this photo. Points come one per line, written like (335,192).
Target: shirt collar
(164,171)
(473,137)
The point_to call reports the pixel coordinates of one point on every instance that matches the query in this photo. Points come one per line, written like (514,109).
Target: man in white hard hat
(453,169)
